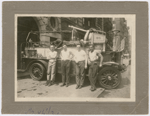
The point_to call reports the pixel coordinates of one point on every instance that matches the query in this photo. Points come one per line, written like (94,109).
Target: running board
(21,70)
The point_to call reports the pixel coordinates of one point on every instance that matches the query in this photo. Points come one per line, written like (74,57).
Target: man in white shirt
(66,56)
(51,71)
(80,58)
(95,60)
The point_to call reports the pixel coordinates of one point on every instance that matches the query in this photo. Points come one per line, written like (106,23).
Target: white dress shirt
(52,56)
(79,56)
(93,55)
(65,55)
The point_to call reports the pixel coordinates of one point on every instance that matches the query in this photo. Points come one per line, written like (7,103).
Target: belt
(65,60)
(52,60)
(79,62)
(82,61)
(94,62)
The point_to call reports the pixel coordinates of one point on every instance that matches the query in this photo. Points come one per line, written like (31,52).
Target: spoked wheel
(109,78)
(37,71)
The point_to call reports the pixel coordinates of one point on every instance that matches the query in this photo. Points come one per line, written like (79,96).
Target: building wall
(24,26)
(121,25)
(46,26)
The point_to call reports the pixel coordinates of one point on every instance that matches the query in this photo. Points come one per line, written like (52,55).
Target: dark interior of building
(25,25)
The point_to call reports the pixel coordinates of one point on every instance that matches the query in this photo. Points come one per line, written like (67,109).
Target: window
(83,20)
(89,23)
(53,22)
(80,21)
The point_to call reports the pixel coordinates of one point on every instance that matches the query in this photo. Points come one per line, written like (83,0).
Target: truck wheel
(109,77)
(37,71)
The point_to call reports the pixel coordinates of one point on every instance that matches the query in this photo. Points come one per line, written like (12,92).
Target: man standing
(66,56)
(51,71)
(93,58)
(81,63)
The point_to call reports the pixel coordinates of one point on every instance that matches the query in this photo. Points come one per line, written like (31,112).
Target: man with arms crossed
(51,71)
(93,58)
(66,56)
(80,58)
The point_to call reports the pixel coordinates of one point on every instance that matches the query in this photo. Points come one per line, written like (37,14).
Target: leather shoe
(80,86)
(93,89)
(52,82)
(47,82)
(67,85)
(62,85)
(77,86)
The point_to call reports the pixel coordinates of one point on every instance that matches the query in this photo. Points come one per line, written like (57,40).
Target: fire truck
(34,56)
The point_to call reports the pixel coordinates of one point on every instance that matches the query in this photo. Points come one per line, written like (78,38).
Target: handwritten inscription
(47,110)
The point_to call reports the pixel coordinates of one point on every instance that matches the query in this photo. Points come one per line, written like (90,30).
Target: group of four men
(93,59)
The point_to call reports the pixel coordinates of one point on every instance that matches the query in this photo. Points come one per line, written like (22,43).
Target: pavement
(26,87)
(29,88)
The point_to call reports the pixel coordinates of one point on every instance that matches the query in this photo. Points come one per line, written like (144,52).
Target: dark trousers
(65,69)
(93,71)
(80,73)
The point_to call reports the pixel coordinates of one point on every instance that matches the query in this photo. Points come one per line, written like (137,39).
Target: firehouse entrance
(25,25)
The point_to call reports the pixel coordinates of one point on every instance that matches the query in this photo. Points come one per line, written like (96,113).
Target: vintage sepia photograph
(82,57)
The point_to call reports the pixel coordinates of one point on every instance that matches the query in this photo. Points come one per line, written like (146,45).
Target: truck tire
(37,71)
(109,77)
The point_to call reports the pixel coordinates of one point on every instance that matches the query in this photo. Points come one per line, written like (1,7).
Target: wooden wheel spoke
(107,82)
(115,78)
(103,76)
(40,74)
(104,81)
(104,73)
(113,73)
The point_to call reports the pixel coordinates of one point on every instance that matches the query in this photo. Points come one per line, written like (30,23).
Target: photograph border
(140,9)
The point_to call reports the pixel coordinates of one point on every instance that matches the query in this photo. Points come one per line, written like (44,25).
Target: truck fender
(111,63)
(43,62)
(114,64)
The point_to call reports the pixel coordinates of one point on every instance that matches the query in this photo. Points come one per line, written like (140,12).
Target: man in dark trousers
(66,56)
(95,60)
(80,58)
